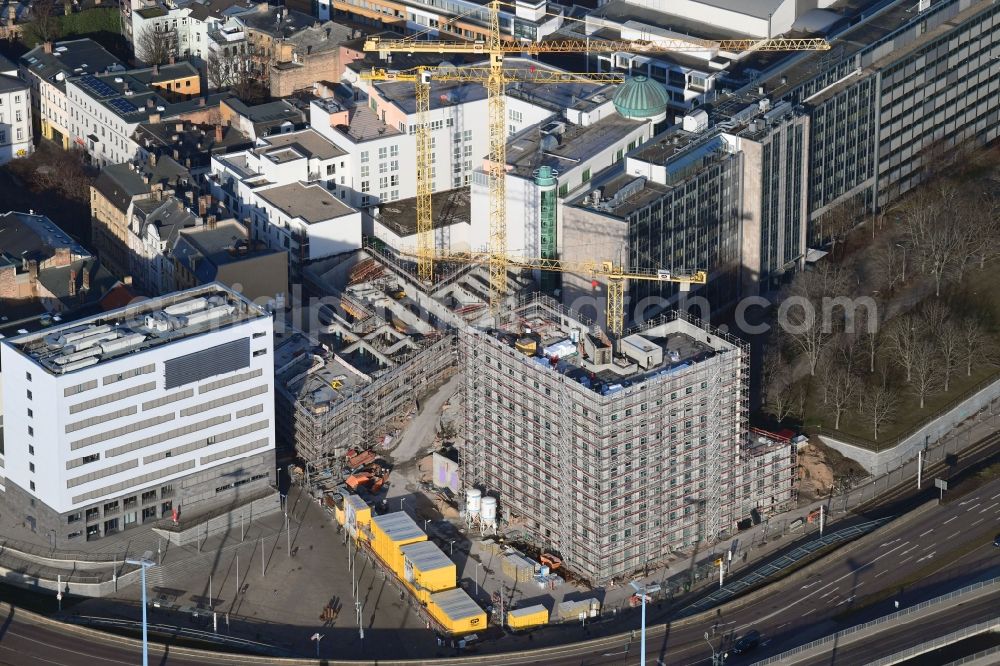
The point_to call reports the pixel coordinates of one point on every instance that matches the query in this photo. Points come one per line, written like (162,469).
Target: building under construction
(613,458)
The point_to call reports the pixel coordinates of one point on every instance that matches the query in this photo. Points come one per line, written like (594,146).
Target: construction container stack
(528,617)
(427,570)
(456,611)
(357,517)
(390,532)
(518,567)
(568,611)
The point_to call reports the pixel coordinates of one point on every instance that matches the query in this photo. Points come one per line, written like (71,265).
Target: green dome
(640,97)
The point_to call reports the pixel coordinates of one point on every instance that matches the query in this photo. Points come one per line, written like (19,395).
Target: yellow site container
(358,515)
(525,618)
(456,612)
(390,533)
(426,567)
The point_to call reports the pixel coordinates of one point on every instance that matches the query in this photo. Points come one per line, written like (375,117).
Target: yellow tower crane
(421,78)
(615,274)
(495,48)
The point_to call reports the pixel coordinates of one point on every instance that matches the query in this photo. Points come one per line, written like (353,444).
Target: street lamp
(717,659)
(317,637)
(452,542)
(144,563)
(401,500)
(900,245)
(478,564)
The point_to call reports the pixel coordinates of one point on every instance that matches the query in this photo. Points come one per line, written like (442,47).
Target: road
(958,536)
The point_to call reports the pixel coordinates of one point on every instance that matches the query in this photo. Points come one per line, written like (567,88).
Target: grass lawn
(981,293)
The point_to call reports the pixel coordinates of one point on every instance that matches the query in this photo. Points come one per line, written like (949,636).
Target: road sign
(941,483)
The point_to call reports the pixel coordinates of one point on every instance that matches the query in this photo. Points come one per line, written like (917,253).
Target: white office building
(119,419)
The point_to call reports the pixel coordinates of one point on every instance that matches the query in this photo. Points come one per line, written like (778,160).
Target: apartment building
(184,25)
(15,115)
(260,120)
(117,420)
(46,68)
(616,459)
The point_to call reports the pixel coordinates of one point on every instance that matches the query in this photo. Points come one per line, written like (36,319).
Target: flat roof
(447,208)
(308,142)
(426,556)
(528,610)
(325,386)
(398,526)
(362,124)
(622,11)
(457,604)
(311,203)
(530,149)
(136,328)
(624,194)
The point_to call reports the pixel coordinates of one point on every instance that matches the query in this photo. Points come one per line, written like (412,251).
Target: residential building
(15,116)
(183,25)
(615,460)
(123,418)
(189,143)
(46,68)
(42,269)
(113,199)
(262,120)
(153,229)
(221,251)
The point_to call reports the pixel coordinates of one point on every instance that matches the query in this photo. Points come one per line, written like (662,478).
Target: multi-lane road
(944,548)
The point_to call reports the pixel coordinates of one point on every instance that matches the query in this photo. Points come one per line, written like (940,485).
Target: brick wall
(286,79)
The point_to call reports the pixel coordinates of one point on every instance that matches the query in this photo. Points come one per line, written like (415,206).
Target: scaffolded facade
(614,465)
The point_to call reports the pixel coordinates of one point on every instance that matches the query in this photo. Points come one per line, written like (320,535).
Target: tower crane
(495,48)
(615,274)
(421,78)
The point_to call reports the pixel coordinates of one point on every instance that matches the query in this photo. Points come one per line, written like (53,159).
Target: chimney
(211,221)
(46,47)
(204,201)
(218,133)
(201,101)
(127,280)
(170,59)
(154,118)
(72,283)
(62,257)
(149,103)
(152,159)
(86,278)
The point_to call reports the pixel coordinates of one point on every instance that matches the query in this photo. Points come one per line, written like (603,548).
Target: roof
(268,22)
(308,142)
(447,208)
(362,125)
(640,97)
(7,65)
(565,146)
(761,9)
(203,9)
(320,38)
(623,11)
(528,610)
(74,57)
(203,249)
(27,236)
(168,216)
(135,328)
(120,183)
(160,73)
(192,141)
(311,203)
(426,556)
(456,604)
(398,526)
(11,83)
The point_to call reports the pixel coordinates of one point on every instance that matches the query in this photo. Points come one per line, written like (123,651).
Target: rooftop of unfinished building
(311,372)
(558,340)
(136,328)
(448,208)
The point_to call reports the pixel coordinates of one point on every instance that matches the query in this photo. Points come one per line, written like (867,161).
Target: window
(27,376)
(586,175)
(365,186)
(383,167)
(365,171)
(331,169)
(74,517)
(31,467)
(364,156)
(31,431)
(260,352)
(394,165)
(394,180)
(30,413)
(31,484)
(31,450)
(383,183)
(94,457)
(394,150)
(365,200)
(28,394)
(149,496)
(383,152)
(516,116)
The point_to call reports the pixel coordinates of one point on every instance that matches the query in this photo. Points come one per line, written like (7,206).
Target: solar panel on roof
(96,86)
(123,106)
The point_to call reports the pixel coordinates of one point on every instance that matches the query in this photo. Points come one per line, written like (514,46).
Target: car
(996,541)
(747,642)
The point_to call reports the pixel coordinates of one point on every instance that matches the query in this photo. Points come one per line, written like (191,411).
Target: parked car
(996,541)
(747,642)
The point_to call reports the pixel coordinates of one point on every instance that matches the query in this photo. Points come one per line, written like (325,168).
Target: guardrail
(974,657)
(877,621)
(195,634)
(936,643)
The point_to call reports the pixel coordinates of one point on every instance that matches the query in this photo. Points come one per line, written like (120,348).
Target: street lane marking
(927,532)
(973,506)
(949,520)
(908,557)
(881,572)
(971,499)
(909,549)
(830,584)
(995,496)
(989,507)
(828,593)
(927,557)
(977,522)
(811,610)
(955,534)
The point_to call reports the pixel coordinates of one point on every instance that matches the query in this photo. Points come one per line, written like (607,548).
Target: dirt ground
(821,468)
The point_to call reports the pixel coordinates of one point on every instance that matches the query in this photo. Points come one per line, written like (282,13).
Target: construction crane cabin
(494,48)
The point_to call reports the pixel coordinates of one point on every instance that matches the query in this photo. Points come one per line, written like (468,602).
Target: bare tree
(880,406)
(926,371)
(842,387)
(937,237)
(838,222)
(870,338)
(804,311)
(903,336)
(984,218)
(240,71)
(933,315)
(890,265)
(776,379)
(974,343)
(154,46)
(44,24)
(949,343)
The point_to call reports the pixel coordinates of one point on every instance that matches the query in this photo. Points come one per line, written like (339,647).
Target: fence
(837,637)
(174,630)
(976,657)
(936,643)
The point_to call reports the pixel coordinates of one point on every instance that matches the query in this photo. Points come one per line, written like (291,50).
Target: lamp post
(478,564)
(903,247)
(317,637)
(401,500)
(642,637)
(452,542)
(144,562)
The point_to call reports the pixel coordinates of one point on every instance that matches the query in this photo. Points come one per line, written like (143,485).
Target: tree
(44,24)
(776,382)
(902,336)
(842,387)
(926,372)
(803,314)
(881,405)
(154,46)
(870,339)
(240,71)
(949,343)
(838,222)
(984,218)
(890,265)
(973,344)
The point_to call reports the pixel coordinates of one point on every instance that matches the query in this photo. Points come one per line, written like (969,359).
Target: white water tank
(473,500)
(489,510)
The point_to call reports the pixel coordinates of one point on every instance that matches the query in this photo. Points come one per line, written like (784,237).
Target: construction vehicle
(495,47)
(553,562)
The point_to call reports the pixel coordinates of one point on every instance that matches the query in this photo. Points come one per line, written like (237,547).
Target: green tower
(546,181)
